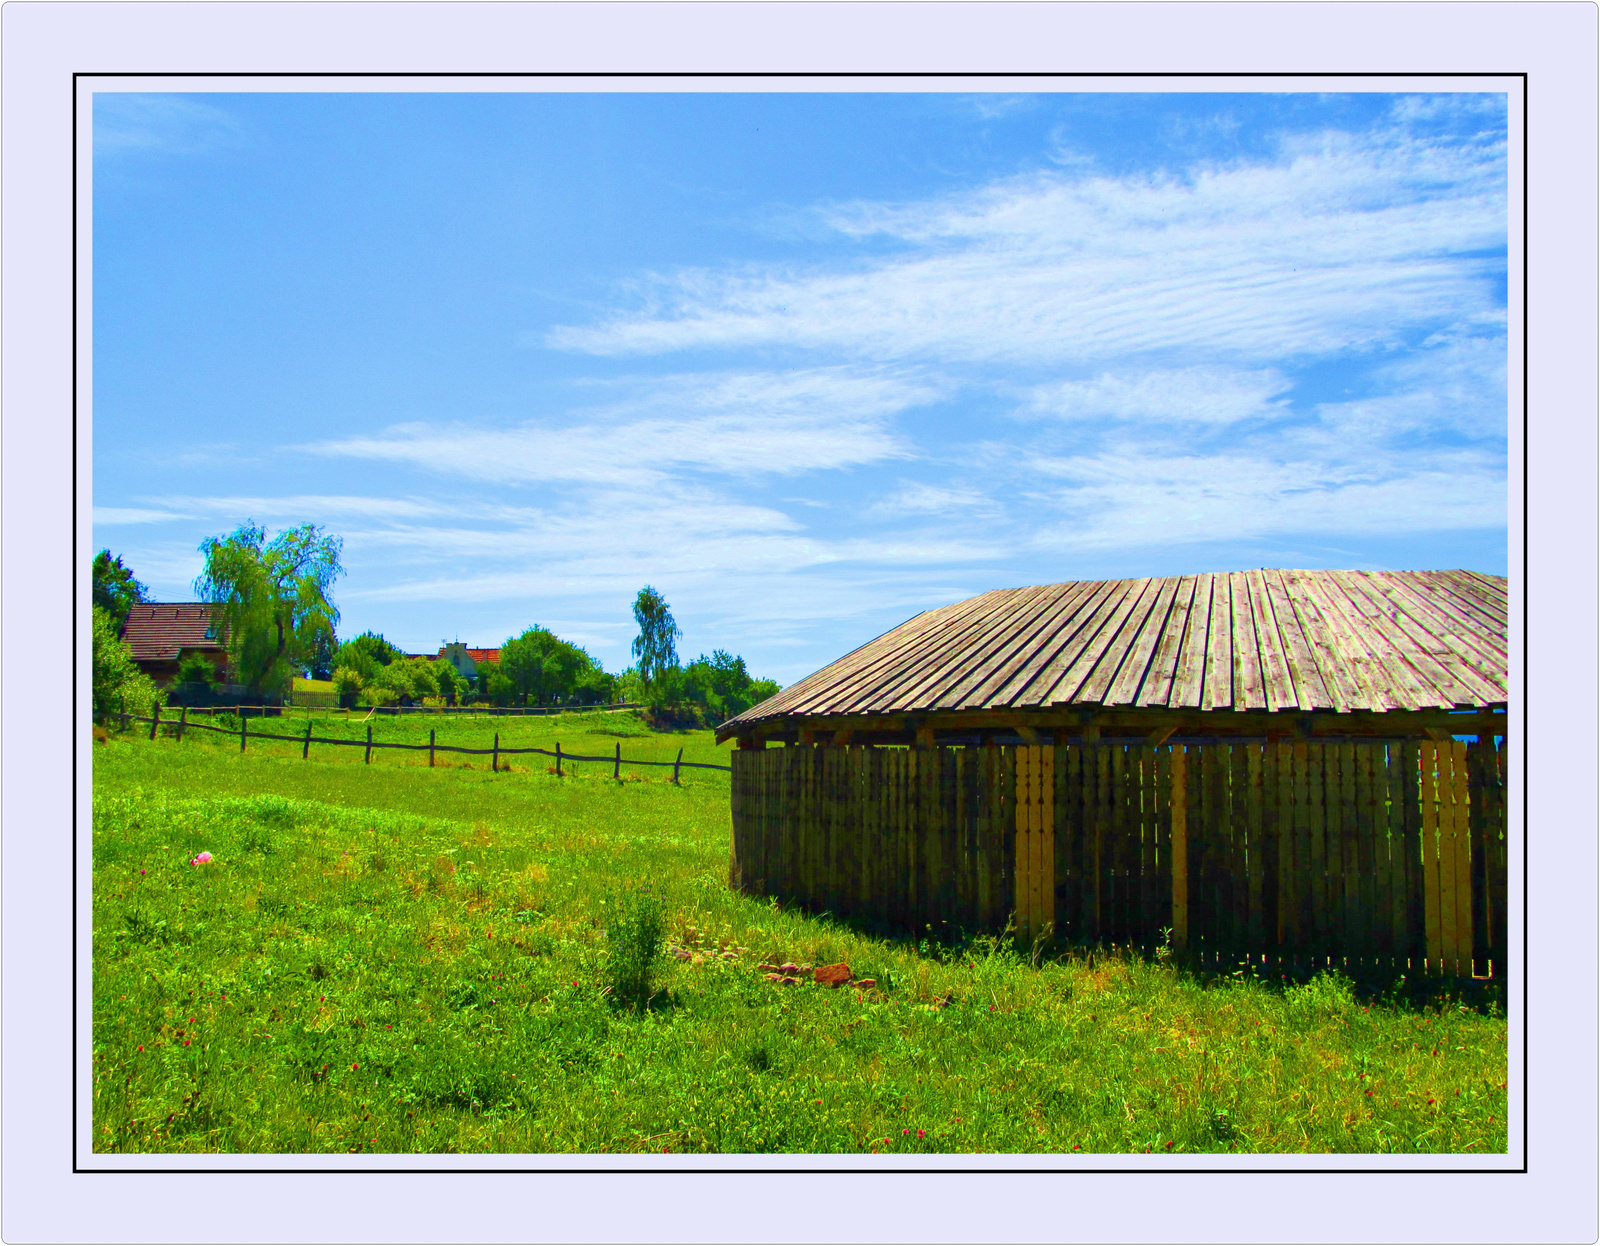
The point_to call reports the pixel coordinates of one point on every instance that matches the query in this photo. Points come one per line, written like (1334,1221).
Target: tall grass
(397,959)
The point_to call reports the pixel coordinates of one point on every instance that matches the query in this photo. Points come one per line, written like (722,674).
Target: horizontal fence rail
(1389,854)
(182,724)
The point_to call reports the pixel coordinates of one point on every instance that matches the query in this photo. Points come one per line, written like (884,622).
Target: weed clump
(635,931)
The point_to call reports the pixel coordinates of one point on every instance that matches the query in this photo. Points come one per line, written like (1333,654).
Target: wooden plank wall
(1364,853)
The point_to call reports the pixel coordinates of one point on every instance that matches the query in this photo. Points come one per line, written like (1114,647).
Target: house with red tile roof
(466,659)
(161,633)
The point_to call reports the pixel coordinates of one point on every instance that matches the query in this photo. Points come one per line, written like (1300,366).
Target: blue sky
(808,363)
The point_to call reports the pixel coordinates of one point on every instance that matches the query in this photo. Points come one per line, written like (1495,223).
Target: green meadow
(390,958)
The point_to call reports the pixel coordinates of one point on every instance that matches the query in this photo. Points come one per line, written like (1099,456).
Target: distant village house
(465,660)
(162,633)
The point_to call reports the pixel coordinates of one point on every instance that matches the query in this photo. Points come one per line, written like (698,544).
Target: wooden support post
(183,721)
(616,770)
(155,719)
(430,747)
(924,736)
(841,738)
(494,763)
(244,728)
(1180,850)
(305,749)
(558,759)
(368,759)
(676,764)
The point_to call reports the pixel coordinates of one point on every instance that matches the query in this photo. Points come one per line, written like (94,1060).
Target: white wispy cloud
(129,122)
(1203,395)
(732,424)
(916,498)
(1341,242)
(117,515)
(1138,498)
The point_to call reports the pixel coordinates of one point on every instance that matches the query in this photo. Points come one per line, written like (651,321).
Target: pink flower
(203,859)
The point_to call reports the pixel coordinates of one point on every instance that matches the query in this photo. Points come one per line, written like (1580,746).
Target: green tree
(196,668)
(410,679)
(117,683)
(451,683)
(496,686)
(543,668)
(348,683)
(366,654)
(721,685)
(655,649)
(273,599)
(115,589)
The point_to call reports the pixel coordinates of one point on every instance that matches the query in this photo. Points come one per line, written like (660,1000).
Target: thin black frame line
(773,74)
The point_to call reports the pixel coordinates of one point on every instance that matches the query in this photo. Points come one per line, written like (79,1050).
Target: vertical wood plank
(1367,932)
(1448,856)
(1316,827)
(1255,847)
(1271,856)
(1498,845)
(1428,807)
(1179,815)
(1461,831)
(1161,806)
(1047,837)
(1349,824)
(1238,779)
(1305,926)
(1062,818)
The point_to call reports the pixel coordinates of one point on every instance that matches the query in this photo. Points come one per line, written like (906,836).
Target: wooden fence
(177,727)
(1381,853)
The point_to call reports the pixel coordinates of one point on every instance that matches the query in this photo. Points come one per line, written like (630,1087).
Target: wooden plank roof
(1243,640)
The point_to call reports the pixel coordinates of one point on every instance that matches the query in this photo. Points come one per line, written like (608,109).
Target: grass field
(385,958)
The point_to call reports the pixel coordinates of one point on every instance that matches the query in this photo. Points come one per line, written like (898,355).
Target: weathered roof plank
(1275,640)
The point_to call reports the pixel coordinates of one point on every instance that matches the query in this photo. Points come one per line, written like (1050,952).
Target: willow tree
(272,599)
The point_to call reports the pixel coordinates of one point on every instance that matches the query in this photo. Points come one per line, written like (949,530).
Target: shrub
(633,942)
(196,668)
(348,683)
(118,685)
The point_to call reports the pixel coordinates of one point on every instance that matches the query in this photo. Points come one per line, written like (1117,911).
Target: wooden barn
(1301,766)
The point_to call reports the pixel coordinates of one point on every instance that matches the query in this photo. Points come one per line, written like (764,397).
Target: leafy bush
(634,932)
(119,686)
(196,668)
(348,683)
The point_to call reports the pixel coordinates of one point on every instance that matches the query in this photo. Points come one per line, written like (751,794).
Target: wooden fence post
(244,727)
(558,759)
(183,721)
(676,764)
(495,764)
(616,771)
(430,747)
(368,759)
(305,749)
(155,719)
